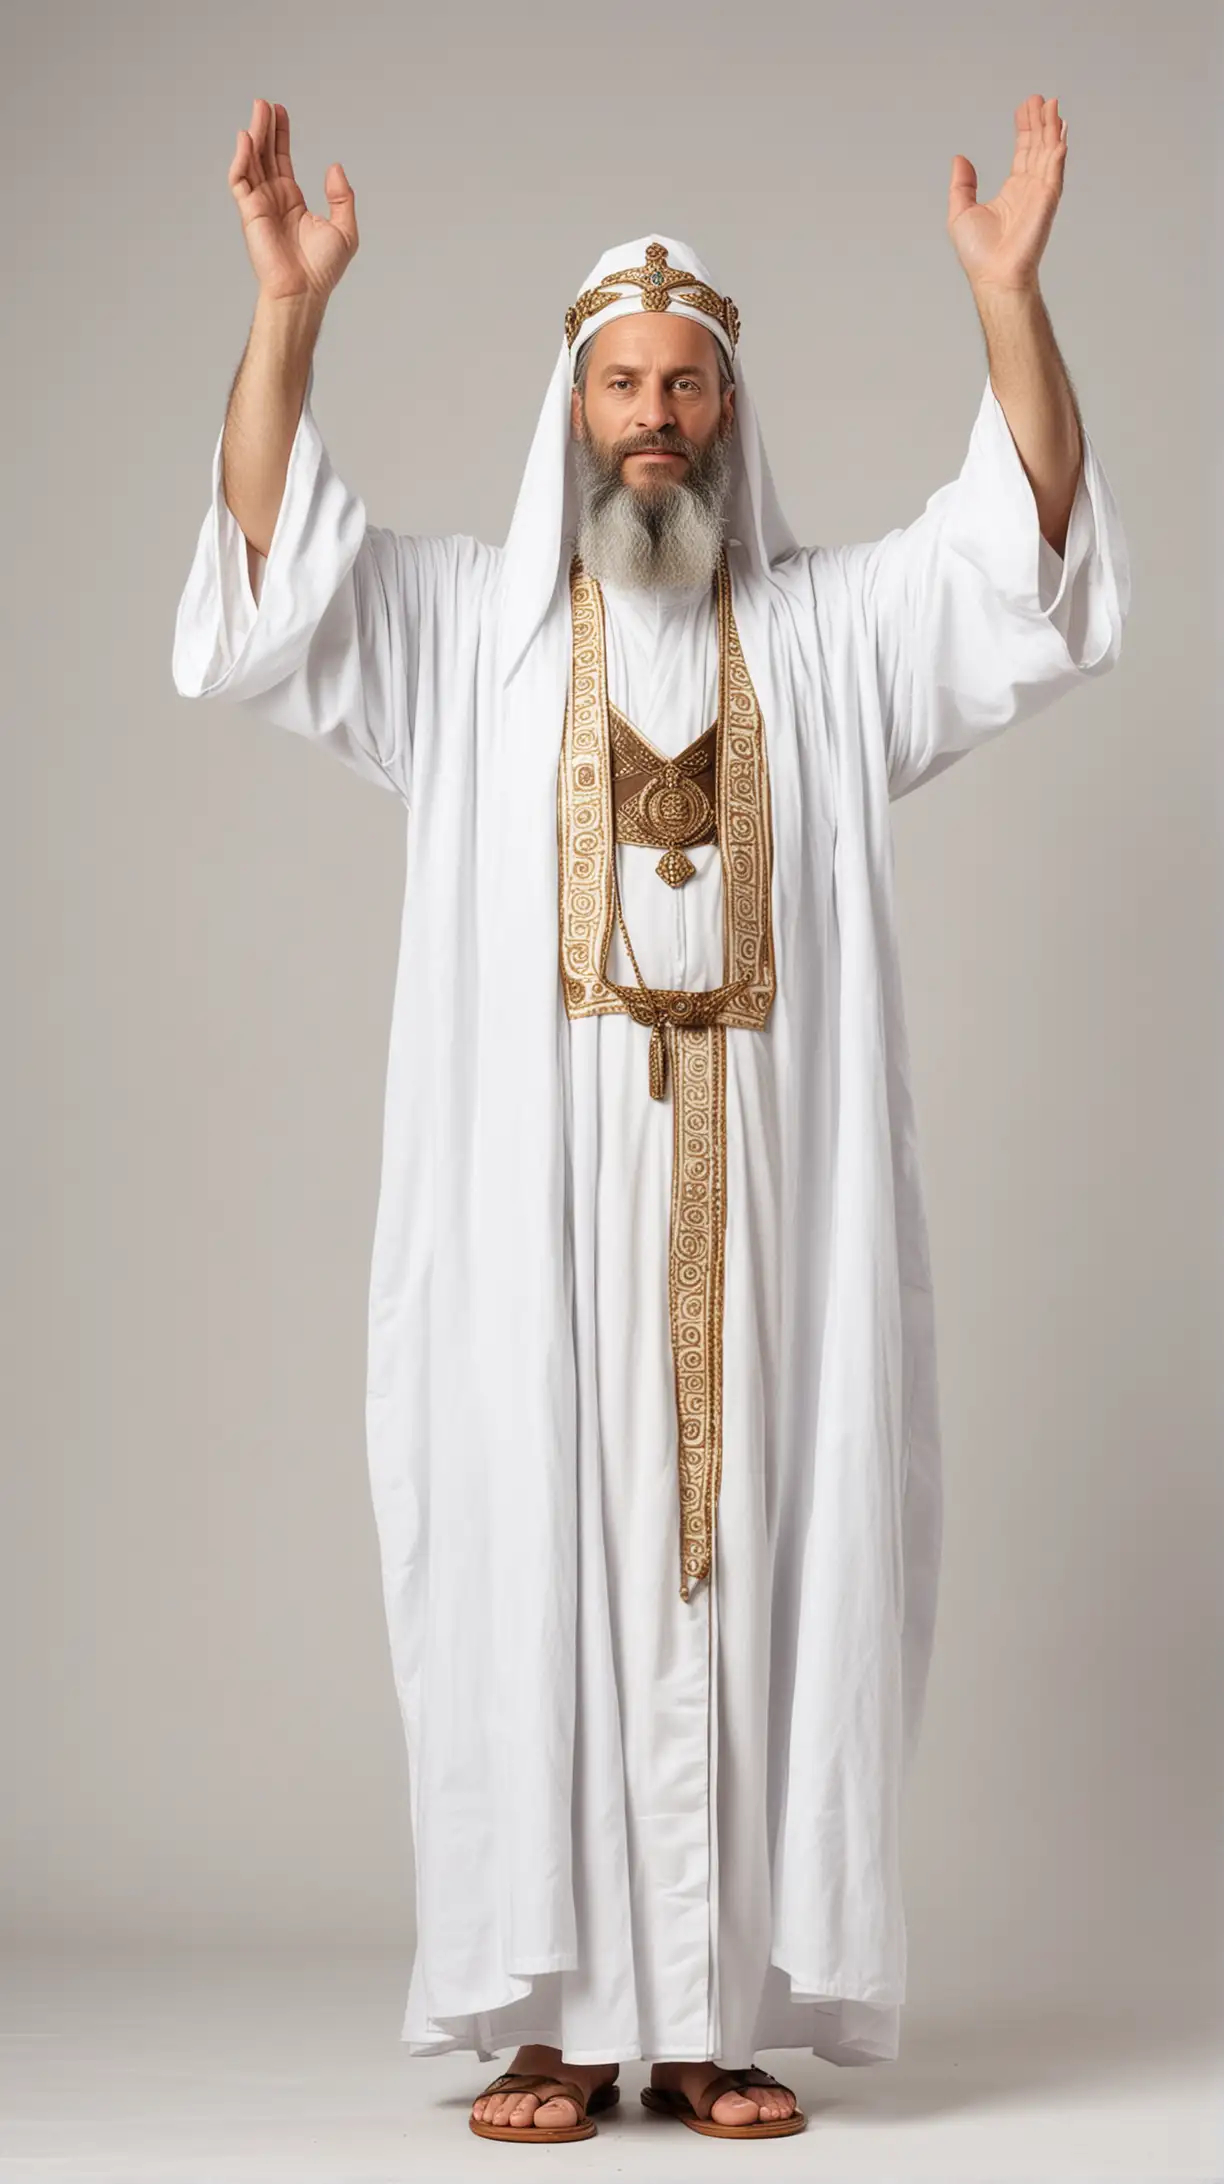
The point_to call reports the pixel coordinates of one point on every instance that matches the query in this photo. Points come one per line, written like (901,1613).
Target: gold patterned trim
(585,837)
(695,1021)
(658,283)
(745,827)
(695,1283)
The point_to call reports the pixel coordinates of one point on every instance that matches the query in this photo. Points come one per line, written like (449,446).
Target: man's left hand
(1000,243)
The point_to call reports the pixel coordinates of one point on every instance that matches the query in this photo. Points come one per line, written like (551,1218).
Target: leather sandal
(669,2101)
(534,2081)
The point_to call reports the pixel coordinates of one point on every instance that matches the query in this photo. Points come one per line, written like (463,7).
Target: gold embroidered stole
(696,1022)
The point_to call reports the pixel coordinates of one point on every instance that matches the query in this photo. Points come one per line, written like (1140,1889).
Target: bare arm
(298,259)
(1000,246)
(264,407)
(1034,392)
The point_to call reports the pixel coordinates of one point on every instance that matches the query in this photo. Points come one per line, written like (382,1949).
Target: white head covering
(546,512)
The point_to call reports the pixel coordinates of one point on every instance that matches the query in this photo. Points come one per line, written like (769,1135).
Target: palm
(1000,243)
(294,251)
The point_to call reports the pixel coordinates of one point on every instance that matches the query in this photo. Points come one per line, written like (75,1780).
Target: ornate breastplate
(663,803)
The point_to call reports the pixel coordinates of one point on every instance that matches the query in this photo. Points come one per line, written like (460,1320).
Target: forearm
(265,406)
(1035,394)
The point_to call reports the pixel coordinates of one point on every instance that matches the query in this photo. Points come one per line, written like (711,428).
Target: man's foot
(527,2109)
(759,2104)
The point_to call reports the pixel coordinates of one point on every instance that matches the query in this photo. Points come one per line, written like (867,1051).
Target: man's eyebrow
(630,369)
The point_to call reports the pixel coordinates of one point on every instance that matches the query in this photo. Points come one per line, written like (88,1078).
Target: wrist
(305,308)
(1006,295)
(287,327)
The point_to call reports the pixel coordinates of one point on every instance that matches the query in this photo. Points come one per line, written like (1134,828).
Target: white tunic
(704,1912)
(656,1990)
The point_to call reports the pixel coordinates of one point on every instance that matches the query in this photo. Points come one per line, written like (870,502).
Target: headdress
(652,286)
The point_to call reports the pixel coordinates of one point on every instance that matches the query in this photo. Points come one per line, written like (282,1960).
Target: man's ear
(575,413)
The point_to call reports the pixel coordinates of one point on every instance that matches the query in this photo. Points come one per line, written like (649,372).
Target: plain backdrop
(199,1725)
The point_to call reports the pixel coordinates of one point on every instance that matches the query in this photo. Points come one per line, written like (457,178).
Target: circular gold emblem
(674,807)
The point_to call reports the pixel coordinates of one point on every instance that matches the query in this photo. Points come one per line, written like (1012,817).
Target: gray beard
(667,533)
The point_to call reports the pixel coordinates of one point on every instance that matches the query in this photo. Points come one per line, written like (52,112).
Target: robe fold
(643,1826)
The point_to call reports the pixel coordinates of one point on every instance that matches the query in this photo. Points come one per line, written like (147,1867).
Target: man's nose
(655,408)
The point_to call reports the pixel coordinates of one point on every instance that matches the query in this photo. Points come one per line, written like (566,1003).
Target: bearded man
(652,1407)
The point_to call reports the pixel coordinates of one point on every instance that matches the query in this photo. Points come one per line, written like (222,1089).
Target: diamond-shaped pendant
(675,868)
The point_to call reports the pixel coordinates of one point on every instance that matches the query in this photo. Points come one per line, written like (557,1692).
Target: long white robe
(731,1785)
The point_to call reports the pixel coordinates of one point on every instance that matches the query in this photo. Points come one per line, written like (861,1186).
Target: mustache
(669,443)
(599,464)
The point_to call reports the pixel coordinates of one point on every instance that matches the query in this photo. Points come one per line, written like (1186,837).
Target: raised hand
(1000,243)
(295,252)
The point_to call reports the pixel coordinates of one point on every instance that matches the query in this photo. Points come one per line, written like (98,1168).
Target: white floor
(224,2067)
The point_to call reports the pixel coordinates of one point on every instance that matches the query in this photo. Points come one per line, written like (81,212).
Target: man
(652,1407)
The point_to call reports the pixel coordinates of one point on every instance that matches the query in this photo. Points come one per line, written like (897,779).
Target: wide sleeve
(972,619)
(324,643)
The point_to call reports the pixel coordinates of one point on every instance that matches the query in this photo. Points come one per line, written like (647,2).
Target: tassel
(658,1064)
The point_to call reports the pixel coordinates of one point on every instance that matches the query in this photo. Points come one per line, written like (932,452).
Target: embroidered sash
(696,1021)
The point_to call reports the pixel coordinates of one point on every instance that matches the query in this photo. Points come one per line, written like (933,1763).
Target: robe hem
(425,2051)
(831,1994)
(474,2034)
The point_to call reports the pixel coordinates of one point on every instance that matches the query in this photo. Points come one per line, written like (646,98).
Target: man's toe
(734,2108)
(505,2109)
(557,2113)
(770,2105)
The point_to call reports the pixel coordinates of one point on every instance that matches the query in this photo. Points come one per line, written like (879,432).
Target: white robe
(728,1776)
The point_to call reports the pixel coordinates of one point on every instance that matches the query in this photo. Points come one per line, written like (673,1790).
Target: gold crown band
(659,283)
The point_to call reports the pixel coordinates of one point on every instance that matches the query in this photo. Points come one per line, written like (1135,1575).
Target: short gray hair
(726,377)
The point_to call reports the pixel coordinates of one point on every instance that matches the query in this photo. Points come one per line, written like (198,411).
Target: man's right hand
(295,252)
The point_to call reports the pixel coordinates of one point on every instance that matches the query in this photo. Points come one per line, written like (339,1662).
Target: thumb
(341,204)
(963,190)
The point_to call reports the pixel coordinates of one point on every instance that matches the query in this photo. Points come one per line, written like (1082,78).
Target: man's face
(653,400)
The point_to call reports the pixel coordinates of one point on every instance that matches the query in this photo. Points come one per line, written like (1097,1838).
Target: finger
(1020,152)
(1053,140)
(239,177)
(258,133)
(280,143)
(341,204)
(253,174)
(962,190)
